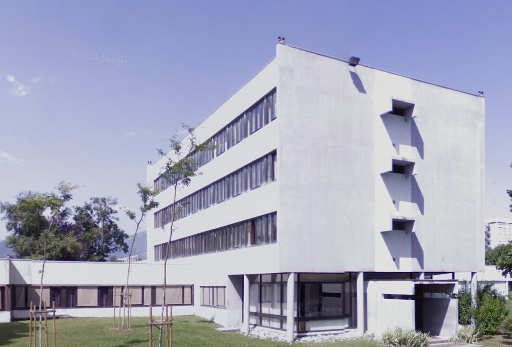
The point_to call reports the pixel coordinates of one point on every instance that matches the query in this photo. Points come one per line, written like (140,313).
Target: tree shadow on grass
(504,339)
(10,332)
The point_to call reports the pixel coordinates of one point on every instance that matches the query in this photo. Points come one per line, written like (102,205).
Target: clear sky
(90,89)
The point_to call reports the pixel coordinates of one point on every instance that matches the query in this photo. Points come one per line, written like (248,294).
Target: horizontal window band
(254,175)
(254,118)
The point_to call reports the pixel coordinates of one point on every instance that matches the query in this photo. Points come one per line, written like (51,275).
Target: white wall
(106,312)
(326,159)
(5,316)
(4,272)
(387,314)
(253,147)
(335,143)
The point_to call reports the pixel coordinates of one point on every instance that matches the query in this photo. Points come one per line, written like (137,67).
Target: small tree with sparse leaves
(179,170)
(147,196)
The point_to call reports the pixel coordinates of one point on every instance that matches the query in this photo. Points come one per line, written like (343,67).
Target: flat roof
(390,72)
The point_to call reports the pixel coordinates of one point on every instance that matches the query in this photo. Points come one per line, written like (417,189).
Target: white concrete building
(333,195)
(498,232)
(86,289)
(491,275)
(334,191)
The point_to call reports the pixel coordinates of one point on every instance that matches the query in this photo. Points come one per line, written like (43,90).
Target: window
(63,296)
(174,295)
(2,299)
(33,295)
(213,297)
(251,176)
(105,296)
(20,297)
(267,300)
(245,124)
(256,231)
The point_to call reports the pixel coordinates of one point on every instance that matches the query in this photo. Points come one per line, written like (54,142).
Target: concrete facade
(377,174)
(341,188)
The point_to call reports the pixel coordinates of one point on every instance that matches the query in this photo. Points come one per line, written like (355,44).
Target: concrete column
(474,288)
(360,303)
(245,323)
(290,316)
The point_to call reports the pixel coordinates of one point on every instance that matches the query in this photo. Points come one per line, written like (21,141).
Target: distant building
(498,232)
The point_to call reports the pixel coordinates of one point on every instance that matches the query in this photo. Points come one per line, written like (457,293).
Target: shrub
(405,338)
(467,334)
(465,309)
(490,311)
(507,324)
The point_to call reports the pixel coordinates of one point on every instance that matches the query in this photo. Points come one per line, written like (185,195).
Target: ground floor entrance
(302,303)
(436,308)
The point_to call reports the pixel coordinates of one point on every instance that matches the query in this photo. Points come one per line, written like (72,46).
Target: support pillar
(245,323)
(474,288)
(290,314)
(360,303)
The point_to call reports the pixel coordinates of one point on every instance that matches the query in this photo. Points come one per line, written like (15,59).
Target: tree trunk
(123,295)
(165,265)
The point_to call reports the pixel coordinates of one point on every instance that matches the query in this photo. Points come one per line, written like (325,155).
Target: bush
(405,338)
(467,334)
(465,309)
(490,311)
(506,326)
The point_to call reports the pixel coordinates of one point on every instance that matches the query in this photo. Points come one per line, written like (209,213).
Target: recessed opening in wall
(398,169)
(402,225)
(402,167)
(402,108)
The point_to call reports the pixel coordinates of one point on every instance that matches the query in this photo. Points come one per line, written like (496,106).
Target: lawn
(188,331)
(498,340)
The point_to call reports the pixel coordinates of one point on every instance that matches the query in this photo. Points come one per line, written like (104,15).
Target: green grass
(188,331)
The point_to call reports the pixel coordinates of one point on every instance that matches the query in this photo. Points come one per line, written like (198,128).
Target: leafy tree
(34,221)
(490,312)
(147,196)
(179,170)
(503,256)
(42,226)
(97,231)
(504,261)
(492,255)
(39,225)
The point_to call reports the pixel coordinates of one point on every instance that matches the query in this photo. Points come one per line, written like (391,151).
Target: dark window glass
(105,297)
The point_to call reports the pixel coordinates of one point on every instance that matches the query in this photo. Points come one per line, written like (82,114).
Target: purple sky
(90,89)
